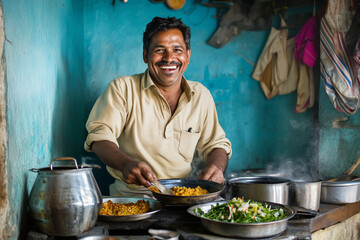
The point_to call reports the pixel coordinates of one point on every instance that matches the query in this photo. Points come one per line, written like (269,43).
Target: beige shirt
(134,115)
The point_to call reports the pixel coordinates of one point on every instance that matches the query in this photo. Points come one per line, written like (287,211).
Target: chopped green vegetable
(239,211)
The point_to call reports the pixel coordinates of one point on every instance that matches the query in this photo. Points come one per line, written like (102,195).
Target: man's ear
(145,56)
(189,55)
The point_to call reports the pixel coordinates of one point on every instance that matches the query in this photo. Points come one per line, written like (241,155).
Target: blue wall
(339,148)
(44,75)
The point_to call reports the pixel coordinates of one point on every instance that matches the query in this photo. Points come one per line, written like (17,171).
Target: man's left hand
(216,163)
(212,173)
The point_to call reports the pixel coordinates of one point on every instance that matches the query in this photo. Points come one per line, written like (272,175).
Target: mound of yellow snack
(123,209)
(184,191)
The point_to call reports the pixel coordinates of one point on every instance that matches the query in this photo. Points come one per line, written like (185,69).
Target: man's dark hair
(159,24)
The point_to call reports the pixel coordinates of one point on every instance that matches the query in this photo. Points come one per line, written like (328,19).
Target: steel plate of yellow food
(125,209)
(188,191)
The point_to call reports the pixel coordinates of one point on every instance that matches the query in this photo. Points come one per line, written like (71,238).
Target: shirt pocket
(187,145)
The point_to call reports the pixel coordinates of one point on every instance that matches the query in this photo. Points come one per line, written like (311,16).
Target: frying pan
(213,188)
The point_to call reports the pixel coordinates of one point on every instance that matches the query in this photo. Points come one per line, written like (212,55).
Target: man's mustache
(168,63)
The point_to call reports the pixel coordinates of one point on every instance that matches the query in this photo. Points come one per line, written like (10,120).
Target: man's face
(167,58)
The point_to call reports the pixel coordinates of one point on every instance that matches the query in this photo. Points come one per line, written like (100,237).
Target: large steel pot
(64,201)
(260,188)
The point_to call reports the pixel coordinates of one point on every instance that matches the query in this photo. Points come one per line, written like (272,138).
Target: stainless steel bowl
(340,192)
(243,230)
(155,206)
(260,188)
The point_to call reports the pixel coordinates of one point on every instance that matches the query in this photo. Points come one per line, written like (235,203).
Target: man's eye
(159,50)
(178,50)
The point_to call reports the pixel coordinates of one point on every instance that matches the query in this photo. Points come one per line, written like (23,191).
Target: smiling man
(149,125)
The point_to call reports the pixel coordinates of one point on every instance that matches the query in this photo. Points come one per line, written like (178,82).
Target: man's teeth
(168,67)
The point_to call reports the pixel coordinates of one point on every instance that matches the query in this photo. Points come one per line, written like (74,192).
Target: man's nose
(168,56)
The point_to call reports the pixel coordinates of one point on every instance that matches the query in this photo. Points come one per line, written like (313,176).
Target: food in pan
(239,211)
(187,191)
(184,191)
(122,209)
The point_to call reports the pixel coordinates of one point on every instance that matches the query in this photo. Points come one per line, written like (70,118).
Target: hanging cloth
(307,41)
(336,66)
(353,35)
(305,89)
(291,84)
(272,66)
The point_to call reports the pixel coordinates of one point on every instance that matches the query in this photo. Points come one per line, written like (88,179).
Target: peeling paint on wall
(4,200)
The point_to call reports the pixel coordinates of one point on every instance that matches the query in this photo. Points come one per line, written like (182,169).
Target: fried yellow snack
(184,191)
(123,209)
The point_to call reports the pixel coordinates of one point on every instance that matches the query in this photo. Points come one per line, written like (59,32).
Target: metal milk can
(64,201)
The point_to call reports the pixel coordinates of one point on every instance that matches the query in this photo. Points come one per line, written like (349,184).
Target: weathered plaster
(44,78)
(4,198)
(348,229)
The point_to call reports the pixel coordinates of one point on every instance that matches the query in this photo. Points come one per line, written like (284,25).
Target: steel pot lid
(260,180)
(340,184)
(64,168)
(253,172)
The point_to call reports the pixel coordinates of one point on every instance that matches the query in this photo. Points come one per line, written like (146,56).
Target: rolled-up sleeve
(107,117)
(212,134)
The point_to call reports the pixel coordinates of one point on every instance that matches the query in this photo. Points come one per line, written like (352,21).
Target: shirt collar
(148,82)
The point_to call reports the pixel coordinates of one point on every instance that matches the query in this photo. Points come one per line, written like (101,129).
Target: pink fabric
(357,52)
(307,43)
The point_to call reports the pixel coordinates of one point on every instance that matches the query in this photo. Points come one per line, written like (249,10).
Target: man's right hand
(138,173)
(134,172)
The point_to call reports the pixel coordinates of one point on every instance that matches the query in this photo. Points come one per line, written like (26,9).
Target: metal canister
(306,194)
(64,201)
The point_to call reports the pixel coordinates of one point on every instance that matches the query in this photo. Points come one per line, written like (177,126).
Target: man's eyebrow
(163,46)
(179,46)
(157,46)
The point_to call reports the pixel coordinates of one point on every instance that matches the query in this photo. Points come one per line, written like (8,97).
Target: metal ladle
(161,187)
(347,176)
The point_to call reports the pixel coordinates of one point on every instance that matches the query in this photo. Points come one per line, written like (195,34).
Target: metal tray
(213,188)
(243,230)
(155,206)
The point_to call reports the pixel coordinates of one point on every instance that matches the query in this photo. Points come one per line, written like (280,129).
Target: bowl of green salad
(243,218)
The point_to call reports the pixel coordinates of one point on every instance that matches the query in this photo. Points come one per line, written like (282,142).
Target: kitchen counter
(190,228)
